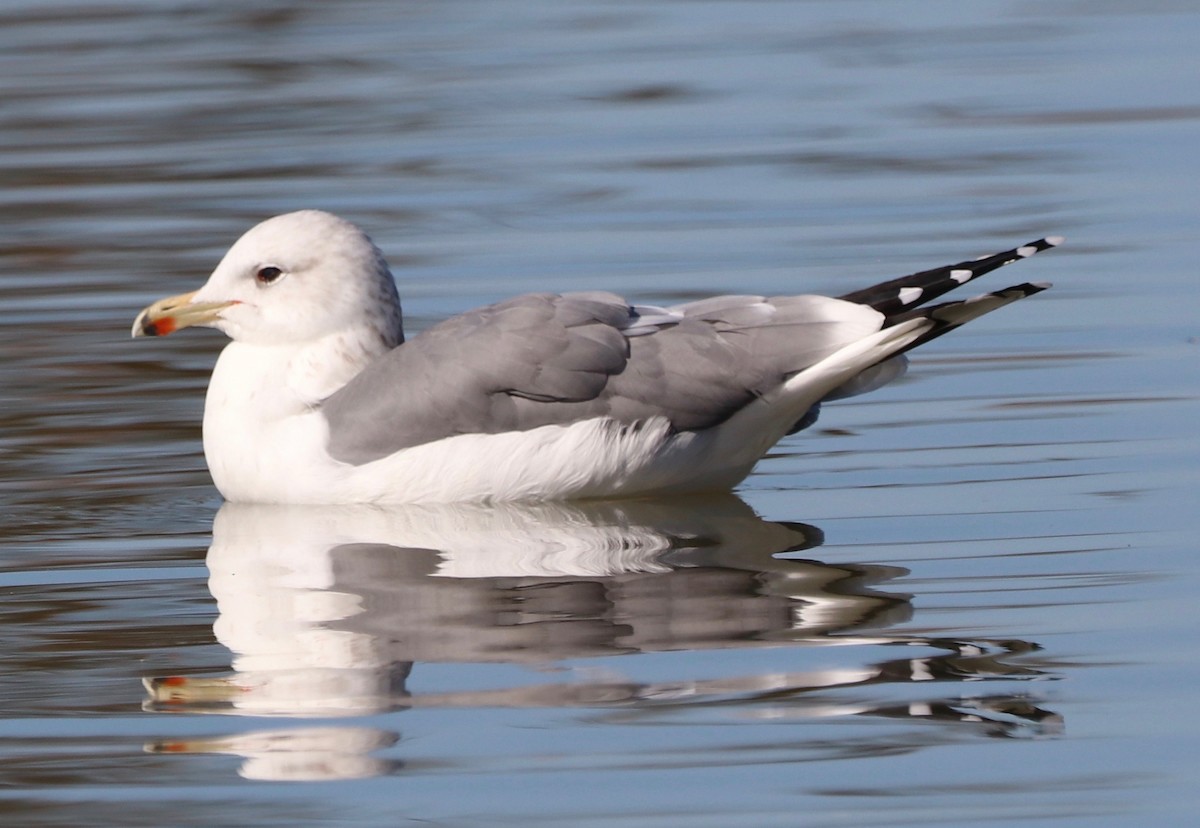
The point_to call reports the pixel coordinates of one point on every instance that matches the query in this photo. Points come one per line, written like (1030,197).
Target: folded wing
(546,359)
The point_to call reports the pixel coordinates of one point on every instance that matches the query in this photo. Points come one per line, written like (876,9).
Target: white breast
(262,440)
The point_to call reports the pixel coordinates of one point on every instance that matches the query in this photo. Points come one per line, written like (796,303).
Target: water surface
(966,599)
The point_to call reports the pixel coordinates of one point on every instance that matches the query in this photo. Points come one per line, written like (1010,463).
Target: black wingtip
(1037,246)
(900,296)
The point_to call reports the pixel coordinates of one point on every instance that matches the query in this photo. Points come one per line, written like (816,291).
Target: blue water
(966,599)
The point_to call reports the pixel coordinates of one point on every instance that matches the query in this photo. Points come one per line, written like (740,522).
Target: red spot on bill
(161,327)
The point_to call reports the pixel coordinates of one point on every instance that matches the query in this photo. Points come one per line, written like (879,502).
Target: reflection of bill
(297,754)
(327,609)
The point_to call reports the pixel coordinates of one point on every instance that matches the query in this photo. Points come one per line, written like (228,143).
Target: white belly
(594,458)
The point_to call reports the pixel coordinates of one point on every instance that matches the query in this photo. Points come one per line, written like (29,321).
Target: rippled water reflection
(331,612)
(998,625)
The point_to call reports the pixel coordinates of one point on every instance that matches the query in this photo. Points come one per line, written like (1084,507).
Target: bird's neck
(302,374)
(254,386)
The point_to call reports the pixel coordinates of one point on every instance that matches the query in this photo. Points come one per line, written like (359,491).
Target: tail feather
(895,297)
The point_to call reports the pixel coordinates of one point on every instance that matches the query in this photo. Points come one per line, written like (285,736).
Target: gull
(320,399)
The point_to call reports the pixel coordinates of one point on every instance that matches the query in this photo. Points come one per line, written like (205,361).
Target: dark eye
(268,275)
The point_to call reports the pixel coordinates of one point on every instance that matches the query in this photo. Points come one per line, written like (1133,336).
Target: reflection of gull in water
(327,609)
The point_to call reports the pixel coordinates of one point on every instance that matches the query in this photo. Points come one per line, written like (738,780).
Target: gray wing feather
(545,358)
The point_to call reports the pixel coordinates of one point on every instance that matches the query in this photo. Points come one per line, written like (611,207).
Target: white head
(292,279)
